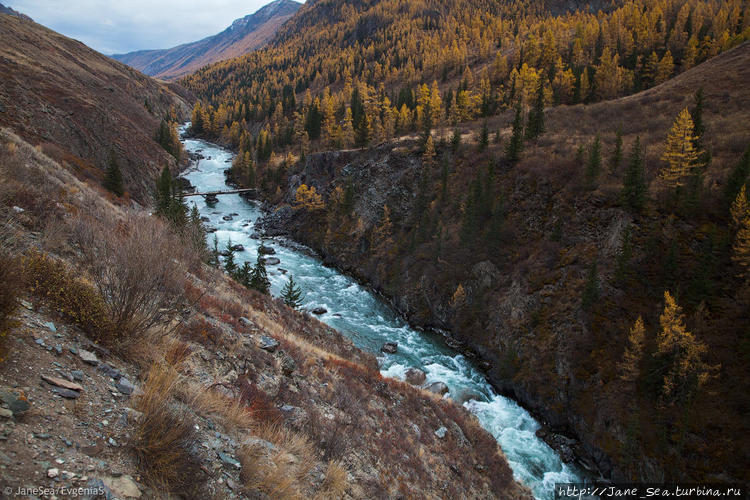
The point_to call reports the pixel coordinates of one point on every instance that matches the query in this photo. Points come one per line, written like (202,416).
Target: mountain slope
(523,271)
(244,35)
(81,106)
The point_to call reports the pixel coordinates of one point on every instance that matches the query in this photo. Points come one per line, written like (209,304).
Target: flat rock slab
(59,382)
(267,343)
(66,393)
(88,357)
(123,486)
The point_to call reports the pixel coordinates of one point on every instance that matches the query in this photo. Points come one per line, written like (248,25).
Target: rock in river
(319,310)
(438,388)
(265,250)
(272,261)
(415,376)
(390,348)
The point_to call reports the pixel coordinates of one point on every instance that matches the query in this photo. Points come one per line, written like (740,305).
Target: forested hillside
(353,73)
(560,189)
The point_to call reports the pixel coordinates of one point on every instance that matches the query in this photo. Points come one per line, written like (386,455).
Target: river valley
(359,314)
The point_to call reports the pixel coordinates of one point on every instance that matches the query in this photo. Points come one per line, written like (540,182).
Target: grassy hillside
(83,108)
(529,264)
(228,392)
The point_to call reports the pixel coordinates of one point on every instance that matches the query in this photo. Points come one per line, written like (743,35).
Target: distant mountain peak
(244,35)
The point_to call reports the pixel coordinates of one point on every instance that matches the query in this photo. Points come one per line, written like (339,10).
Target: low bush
(63,290)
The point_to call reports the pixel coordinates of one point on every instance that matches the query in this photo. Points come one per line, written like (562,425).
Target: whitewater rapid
(359,314)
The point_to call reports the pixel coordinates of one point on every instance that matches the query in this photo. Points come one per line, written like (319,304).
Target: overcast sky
(118,26)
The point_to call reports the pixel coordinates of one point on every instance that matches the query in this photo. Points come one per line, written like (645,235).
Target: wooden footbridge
(213,194)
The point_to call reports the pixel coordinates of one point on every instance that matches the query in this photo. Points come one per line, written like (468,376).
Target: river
(359,314)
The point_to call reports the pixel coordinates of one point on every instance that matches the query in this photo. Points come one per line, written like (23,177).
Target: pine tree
(535,124)
(593,163)
(591,289)
(680,153)
(634,184)
(113,177)
(292,294)
(629,366)
(244,274)
(616,159)
(515,145)
(259,276)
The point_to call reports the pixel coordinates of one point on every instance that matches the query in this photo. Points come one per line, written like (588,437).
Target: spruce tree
(230,266)
(484,137)
(113,177)
(616,159)
(515,145)
(292,294)
(244,274)
(455,140)
(634,184)
(163,192)
(737,178)
(259,276)
(535,125)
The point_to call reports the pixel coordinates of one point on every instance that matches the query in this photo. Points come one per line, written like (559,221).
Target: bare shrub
(137,266)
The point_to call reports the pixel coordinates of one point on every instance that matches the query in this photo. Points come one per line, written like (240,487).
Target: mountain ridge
(82,107)
(243,35)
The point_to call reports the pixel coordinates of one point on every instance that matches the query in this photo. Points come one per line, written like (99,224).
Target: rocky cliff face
(82,107)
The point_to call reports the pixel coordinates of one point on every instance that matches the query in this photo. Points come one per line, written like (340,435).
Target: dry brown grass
(164,436)
(281,473)
(335,483)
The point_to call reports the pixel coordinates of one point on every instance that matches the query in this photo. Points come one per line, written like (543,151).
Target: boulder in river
(272,261)
(415,376)
(255,236)
(438,388)
(227,217)
(238,248)
(319,310)
(264,250)
(390,348)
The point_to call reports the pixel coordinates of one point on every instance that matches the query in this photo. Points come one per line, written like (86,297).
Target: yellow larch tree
(680,152)
(741,248)
(739,210)
(687,371)
(308,198)
(629,366)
